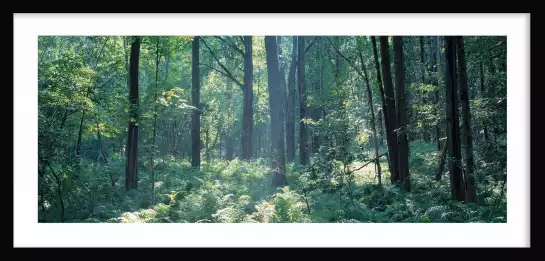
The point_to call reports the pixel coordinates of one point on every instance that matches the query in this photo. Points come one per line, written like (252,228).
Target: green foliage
(83,88)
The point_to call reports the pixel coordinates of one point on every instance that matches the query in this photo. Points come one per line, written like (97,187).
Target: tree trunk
(467,136)
(453,129)
(290,115)
(277,141)
(403,145)
(248,113)
(303,143)
(373,126)
(152,162)
(196,96)
(382,96)
(390,108)
(131,175)
(438,72)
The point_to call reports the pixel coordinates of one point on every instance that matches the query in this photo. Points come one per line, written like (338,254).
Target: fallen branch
(373,160)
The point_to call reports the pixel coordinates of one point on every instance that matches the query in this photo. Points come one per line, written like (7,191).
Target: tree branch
(100,53)
(362,166)
(348,60)
(232,44)
(227,72)
(311,43)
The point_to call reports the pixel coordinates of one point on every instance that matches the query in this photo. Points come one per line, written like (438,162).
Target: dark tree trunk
(248,113)
(290,115)
(303,143)
(438,72)
(152,162)
(382,96)
(275,103)
(131,175)
(196,96)
(453,129)
(466,122)
(403,145)
(390,108)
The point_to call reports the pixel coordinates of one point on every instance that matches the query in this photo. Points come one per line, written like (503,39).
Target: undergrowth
(240,192)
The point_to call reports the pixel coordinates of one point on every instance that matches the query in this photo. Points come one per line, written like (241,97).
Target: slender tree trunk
(131,176)
(382,96)
(78,143)
(196,96)
(248,113)
(403,145)
(152,162)
(207,144)
(438,72)
(390,107)
(453,129)
(290,116)
(275,103)
(373,126)
(303,143)
(467,137)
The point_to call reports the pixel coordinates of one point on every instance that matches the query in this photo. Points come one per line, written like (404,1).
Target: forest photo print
(272,129)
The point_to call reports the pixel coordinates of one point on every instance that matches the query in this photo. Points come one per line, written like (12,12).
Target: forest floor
(237,192)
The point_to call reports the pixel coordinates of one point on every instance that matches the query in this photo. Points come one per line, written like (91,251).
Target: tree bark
(131,175)
(453,129)
(403,145)
(381,89)
(196,96)
(467,136)
(248,113)
(390,108)
(277,141)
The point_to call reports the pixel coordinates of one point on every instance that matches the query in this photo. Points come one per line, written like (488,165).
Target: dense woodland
(272,129)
